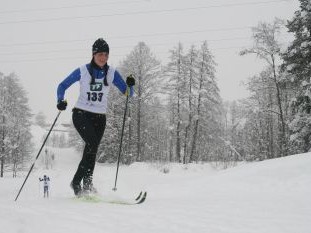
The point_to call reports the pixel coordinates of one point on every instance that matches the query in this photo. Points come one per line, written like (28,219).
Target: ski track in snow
(272,196)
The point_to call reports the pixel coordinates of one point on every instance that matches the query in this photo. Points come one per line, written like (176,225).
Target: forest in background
(177,114)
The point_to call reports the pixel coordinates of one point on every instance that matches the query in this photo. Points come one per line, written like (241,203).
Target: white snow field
(272,196)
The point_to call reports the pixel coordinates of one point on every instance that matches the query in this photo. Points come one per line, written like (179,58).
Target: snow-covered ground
(272,196)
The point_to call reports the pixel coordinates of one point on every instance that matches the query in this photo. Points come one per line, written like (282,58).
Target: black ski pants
(91,127)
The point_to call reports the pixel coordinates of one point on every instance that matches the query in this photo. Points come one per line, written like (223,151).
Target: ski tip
(137,198)
(143,198)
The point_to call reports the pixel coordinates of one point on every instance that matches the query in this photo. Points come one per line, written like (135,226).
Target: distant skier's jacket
(46,181)
(93,92)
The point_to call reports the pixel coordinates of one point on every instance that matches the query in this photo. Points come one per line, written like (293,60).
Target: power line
(68,7)
(133,36)
(116,55)
(186,32)
(145,12)
(126,37)
(125,46)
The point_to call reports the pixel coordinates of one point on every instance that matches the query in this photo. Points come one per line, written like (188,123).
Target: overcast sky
(43,41)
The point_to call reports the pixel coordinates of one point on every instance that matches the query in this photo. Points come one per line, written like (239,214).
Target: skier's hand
(62,105)
(130,81)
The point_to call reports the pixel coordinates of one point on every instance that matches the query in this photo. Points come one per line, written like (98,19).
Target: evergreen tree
(146,69)
(136,140)
(176,72)
(297,62)
(191,85)
(15,139)
(208,119)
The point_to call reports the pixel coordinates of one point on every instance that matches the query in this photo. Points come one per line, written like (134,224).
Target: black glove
(61,105)
(130,81)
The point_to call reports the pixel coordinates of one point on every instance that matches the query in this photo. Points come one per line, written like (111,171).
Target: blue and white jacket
(93,98)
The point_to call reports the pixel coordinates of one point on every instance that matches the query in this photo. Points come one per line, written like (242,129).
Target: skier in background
(89,113)
(46,185)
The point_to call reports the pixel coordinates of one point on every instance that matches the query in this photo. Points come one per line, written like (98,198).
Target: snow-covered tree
(208,110)
(194,104)
(146,69)
(267,47)
(262,118)
(297,63)
(192,81)
(176,86)
(15,124)
(141,63)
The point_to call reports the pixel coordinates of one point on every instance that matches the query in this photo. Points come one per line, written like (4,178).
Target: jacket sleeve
(120,83)
(62,87)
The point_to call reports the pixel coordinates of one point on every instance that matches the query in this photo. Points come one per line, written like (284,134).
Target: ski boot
(88,187)
(76,189)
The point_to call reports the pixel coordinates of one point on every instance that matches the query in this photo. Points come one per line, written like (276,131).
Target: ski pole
(37,155)
(120,148)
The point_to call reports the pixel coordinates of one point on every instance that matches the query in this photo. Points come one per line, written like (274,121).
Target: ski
(138,200)
(101,199)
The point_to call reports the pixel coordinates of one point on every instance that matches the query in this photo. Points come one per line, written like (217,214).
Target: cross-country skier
(88,115)
(46,185)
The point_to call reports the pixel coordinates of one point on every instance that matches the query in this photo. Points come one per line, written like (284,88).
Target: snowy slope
(269,197)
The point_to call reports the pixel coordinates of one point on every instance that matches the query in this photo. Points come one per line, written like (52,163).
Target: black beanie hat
(100,45)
